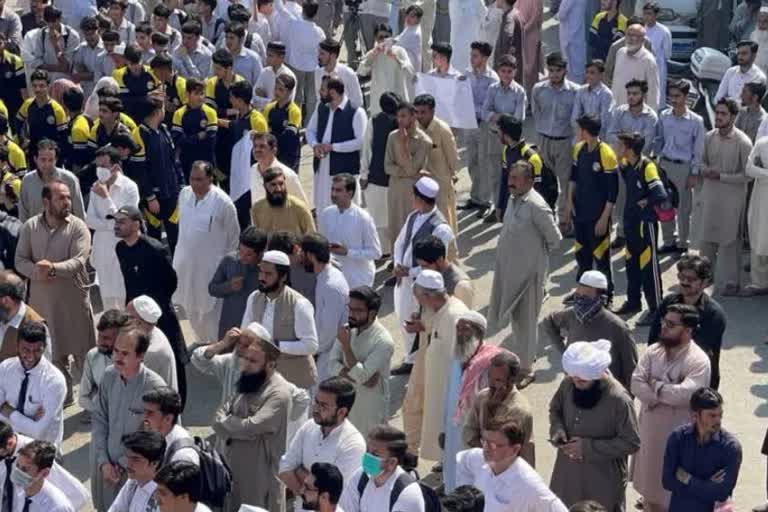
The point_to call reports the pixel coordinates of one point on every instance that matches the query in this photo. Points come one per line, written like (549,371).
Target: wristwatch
(52,272)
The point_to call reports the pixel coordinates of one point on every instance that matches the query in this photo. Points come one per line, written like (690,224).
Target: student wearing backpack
(144,456)
(162,407)
(382,485)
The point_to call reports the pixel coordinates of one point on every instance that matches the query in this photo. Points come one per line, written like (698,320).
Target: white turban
(147,309)
(475,318)
(587,360)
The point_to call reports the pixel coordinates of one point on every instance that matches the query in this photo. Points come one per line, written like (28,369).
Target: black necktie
(23,393)
(8,486)
(27,502)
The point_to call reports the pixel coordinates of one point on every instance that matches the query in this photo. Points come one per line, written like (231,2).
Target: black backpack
(547,187)
(215,475)
(431,499)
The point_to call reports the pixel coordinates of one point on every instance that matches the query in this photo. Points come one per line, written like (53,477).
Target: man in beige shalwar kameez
(757,168)
(530,233)
(251,426)
(443,164)
(408,149)
(52,252)
(665,378)
(719,203)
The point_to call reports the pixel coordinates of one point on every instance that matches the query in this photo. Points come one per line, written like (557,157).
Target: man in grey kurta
(119,410)
(251,426)
(52,252)
(530,233)
(594,425)
(31,200)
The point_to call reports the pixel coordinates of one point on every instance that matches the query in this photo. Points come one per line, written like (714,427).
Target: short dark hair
(167,398)
(587,506)
(598,64)
(235,28)
(132,54)
(483,47)
(42,453)
(442,48)
(6,431)
(15,288)
(149,106)
(465,498)
(149,444)
(192,27)
(430,249)
(254,238)
(222,57)
(48,145)
(328,479)
(688,314)
(513,430)
(283,241)
(633,141)
(112,104)
(382,27)
(161,61)
(640,84)
(242,90)
(113,319)
(349,181)
(33,332)
(414,10)
(271,139)
(73,99)
(142,340)
(47,192)
(510,126)
(335,84)
(110,36)
(341,388)
(389,102)
(160,39)
(318,246)
(701,265)
(367,295)
(89,23)
(405,105)
(162,11)
(286,81)
(424,100)
(756,89)
(590,123)
(508,360)
(272,173)
(180,477)
(731,105)
(507,60)
(684,86)
(652,6)
(195,85)
(309,9)
(110,152)
(331,46)
(753,46)
(705,398)
(40,75)
(144,28)
(393,438)
(51,14)
(556,60)
(205,165)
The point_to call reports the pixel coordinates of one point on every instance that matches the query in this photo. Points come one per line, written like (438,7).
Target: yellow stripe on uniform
(602,247)
(577,246)
(153,221)
(174,218)
(645,257)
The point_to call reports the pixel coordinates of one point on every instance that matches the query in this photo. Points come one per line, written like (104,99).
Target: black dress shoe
(618,242)
(668,249)
(483,211)
(629,308)
(403,369)
(491,218)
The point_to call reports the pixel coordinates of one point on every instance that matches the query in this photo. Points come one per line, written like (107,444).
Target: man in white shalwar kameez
(208,230)
(159,358)
(410,38)
(757,168)
(466,19)
(112,191)
(425,220)
(389,67)
(661,43)
(325,147)
(573,44)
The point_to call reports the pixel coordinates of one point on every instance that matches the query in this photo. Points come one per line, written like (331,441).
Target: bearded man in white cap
(145,313)
(588,319)
(424,403)
(252,425)
(423,221)
(594,427)
(530,233)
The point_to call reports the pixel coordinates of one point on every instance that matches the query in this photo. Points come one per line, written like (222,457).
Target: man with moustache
(265,155)
(594,428)
(745,71)
(251,426)
(279,210)
(666,376)
(635,62)
(14,311)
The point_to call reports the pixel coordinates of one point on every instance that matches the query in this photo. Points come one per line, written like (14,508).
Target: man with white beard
(635,62)
(760,36)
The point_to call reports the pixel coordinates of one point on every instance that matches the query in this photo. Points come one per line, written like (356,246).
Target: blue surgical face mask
(372,465)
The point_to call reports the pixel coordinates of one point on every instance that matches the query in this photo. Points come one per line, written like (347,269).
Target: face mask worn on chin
(372,465)
(103,174)
(20,478)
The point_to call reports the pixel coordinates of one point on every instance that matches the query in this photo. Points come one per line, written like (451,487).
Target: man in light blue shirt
(594,97)
(247,63)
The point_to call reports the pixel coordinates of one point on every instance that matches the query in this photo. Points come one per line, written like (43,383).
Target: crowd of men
(150,153)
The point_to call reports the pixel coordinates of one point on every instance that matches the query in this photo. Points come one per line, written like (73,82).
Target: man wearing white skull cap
(159,357)
(588,319)
(594,427)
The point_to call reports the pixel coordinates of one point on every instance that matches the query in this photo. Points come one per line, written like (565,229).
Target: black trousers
(243,207)
(642,262)
(167,218)
(593,252)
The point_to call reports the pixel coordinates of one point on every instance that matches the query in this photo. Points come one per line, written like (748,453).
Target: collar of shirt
(753,70)
(342,105)
(422,215)
(566,86)
(671,113)
(690,430)
(486,73)
(601,87)
(16,320)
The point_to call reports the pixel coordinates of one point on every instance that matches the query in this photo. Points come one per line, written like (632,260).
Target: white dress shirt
(292,182)
(135,497)
(733,82)
(351,83)
(266,83)
(355,229)
(404,248)
(46,389)
(376,499)
(303,325)
(518,489)
(15,322)
(48,499)
(343,447)
(186,454)
(302,46)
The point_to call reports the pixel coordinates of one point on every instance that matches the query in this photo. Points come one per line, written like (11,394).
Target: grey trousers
(678,174)
(727,269)
(484,175)
(758,274)
(558,156)
(305,92)
(326,13)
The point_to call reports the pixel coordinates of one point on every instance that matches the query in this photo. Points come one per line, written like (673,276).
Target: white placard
(453,99)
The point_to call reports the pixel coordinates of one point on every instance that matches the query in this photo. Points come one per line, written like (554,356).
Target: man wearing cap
(251,426)
(468,375)
(264,88)
(593,425)
(159,356)
(329,66)
(425,220)
(287,317)
(147,270)
(423,418)
(208,230)
(588,319)
(52,252)
(530,233)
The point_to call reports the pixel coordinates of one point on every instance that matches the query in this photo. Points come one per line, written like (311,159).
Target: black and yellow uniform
(641,230)
(253,120)
(100,136)
(134,88)
(76,153)
(520,151)
(37,122)
(284,123)
(194,133)
(217,96)
(594,174)
(604,32)
(16,157)
(128,121)
(175,96)
(159,179)
(12,80)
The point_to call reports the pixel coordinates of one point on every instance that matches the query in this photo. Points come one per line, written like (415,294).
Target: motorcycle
(705,71)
